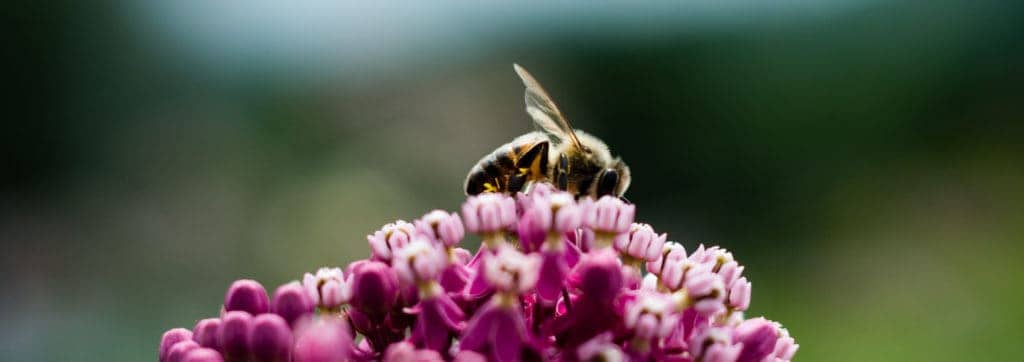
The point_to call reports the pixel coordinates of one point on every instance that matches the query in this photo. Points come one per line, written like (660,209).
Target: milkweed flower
(557,278)
(327,289)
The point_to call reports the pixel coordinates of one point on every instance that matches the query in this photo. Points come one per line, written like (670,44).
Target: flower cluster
(555,278)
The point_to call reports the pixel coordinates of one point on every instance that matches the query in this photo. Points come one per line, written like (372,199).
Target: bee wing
(544,112)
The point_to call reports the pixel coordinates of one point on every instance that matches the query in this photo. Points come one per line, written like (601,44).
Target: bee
(570,159)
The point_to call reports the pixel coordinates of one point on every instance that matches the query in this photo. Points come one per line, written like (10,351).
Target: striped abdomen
(511,166)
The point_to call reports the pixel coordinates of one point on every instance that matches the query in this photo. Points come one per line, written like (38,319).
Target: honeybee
(570,159)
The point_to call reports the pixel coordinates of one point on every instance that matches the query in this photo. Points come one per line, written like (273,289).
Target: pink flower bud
(247,295)
(374,288)
(207,332)
(234,335)
(169,339)
(270,339)
(292,301)
(179,350)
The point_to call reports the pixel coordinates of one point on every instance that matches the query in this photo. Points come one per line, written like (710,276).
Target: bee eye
(609,180)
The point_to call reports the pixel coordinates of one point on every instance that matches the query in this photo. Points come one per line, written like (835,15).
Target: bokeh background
(862,158)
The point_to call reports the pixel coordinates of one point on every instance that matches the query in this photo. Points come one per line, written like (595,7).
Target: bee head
(613,180)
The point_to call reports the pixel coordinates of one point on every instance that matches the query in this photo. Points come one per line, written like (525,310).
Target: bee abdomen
(508,168)
(491,173)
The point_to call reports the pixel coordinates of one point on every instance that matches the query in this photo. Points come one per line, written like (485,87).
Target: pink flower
(572,289)
(247,295)
(291,301)
(489,213)
(169,339)
(179,350)
(610,215)
(598,281)
(419,262)
(441,227)
(739,294)
(206,333)
(671,252)
(601,348)
(234,335)
(374,288)
(389,238)
(270,339)
(438,320)
(327,288)
(715,344)
(511,271)
(499,332)
(760,337)
(642,244)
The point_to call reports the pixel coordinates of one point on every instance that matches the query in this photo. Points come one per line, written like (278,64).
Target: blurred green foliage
(862,159)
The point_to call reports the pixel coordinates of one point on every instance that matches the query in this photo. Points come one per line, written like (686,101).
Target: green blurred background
(862,158)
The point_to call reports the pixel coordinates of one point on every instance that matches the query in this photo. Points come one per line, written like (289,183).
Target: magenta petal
(478,287)
(509,337)
(476,335)
(455,278)
(758,336)
(496,331)
(552,276)
(436,323)
(508,349)
(572,253)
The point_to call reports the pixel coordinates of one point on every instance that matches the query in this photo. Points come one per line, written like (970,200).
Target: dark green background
(863,159)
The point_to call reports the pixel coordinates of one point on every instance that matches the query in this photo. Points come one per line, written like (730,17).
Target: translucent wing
(544,111)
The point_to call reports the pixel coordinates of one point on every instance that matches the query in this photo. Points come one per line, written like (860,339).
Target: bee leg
(562,179)
(607,183)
